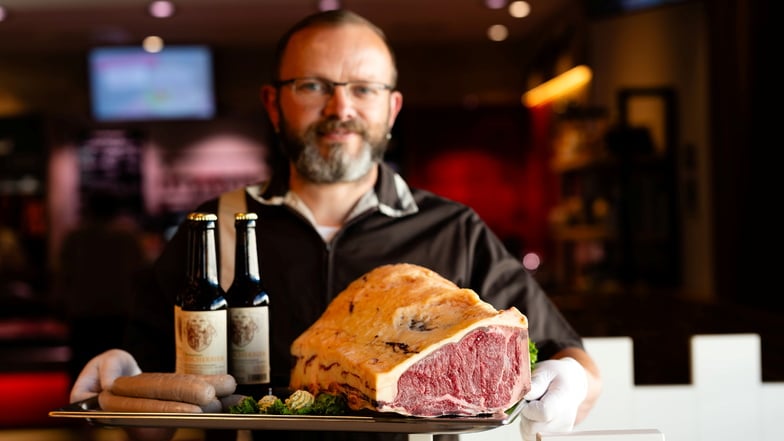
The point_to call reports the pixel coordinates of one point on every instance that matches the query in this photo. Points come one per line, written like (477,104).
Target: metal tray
(89,410)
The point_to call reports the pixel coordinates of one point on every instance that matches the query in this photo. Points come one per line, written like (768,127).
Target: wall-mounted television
(129,84)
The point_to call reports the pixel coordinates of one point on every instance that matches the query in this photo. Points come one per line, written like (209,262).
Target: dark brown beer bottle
(200,312)
(249,352)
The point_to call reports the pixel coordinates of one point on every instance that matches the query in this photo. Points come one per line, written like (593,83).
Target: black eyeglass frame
(332,84)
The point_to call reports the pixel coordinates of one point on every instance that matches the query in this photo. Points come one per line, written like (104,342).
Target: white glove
(100,372)
(558,387)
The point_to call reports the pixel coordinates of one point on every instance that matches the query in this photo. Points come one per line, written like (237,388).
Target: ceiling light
(519,9)
(153,44)
(161,9)
(328,5)
(560,86)
(495,4)
(497,32)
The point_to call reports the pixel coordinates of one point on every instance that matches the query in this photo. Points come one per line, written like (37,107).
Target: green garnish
(300,402)
(323,404)
(533,352)
(277,408)
(246,405)
(329,404)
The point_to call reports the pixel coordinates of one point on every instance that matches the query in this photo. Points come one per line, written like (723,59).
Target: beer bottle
(200,312)
(249,351)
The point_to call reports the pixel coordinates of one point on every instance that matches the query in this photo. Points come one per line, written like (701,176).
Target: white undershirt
(326,232)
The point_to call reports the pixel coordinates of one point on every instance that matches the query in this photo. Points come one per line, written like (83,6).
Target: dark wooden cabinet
(615,227)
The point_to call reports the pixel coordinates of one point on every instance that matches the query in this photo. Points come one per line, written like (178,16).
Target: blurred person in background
(99,262)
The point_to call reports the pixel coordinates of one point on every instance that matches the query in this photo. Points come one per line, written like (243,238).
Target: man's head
(333,100)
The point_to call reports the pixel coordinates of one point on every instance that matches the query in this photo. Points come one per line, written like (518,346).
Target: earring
(389,136)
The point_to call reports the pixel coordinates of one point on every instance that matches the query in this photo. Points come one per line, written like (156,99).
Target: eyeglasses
(317,91)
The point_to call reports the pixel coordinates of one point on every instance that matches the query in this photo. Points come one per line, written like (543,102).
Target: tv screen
(129,84)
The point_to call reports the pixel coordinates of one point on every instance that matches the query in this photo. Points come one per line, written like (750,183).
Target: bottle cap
(245,216)
(196,216)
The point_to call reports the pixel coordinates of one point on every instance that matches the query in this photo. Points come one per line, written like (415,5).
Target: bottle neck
(246,258)
(202,290)
(203,256)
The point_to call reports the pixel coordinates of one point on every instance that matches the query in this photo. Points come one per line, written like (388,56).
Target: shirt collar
(391,195)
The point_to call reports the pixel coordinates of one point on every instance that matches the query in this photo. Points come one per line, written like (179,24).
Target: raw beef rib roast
(403,339)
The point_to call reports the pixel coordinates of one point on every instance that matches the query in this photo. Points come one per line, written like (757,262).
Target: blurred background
(616,146)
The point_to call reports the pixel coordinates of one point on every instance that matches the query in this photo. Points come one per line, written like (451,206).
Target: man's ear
(395,104)
(269,98)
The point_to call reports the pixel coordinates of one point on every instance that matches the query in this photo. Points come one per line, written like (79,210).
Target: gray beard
(337,166)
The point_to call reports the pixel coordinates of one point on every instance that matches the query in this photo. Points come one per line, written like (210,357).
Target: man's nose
(340,103)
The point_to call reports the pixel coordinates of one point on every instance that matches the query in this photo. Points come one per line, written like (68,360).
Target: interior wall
(745,133)
(667,47)
(53,83)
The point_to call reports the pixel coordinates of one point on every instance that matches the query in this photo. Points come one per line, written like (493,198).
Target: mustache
(331,125)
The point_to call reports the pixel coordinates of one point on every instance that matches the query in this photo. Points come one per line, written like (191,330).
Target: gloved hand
(99,373)
(557,389)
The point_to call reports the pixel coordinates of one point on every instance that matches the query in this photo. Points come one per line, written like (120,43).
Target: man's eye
(363,90)
(311,86)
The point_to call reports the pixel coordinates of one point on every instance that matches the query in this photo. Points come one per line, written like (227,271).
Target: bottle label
(177,340)
(249,344)
(200,337)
